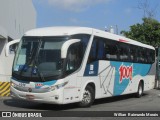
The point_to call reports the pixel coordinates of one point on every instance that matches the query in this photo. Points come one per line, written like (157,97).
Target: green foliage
(148,32)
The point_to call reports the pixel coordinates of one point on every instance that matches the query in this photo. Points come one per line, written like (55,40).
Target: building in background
(16,17)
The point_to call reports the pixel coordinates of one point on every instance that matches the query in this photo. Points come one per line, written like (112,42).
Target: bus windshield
(39,58)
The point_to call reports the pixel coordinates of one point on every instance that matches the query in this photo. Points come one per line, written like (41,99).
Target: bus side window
(141,55)
(93,52)
(114,52)
(111,50)
(131,52)
(84,40)
(101,49)
(145,55)
(152,56)
(107,52)
(74,58)
(138,54)
(126,52)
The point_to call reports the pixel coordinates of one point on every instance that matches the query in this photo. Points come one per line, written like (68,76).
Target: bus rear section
(120,67)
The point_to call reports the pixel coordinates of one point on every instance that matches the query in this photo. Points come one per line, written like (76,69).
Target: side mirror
(7,49)
(66,45)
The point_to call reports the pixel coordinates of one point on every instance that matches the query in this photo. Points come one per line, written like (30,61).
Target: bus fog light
(56,97)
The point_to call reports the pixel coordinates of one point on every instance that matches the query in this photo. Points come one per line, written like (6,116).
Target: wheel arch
(90,83)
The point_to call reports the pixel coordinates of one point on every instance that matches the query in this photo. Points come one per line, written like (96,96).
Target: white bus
(62,65)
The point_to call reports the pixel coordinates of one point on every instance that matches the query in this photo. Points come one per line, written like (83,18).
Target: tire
(140,90)
(88,97)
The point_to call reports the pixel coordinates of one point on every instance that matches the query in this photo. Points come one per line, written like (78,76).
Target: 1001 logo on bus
(125,72)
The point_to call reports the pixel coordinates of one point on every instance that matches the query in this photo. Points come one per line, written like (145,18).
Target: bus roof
(66,31)
(59,31)
(119,38)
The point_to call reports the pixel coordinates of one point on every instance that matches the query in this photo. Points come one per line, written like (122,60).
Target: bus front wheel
(88,97)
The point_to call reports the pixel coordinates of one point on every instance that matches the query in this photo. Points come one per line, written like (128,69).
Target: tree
(148,11)
(148,32)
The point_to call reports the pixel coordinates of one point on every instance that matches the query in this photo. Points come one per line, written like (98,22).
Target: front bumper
(53,97)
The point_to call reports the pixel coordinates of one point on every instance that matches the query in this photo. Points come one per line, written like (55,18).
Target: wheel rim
(86,97)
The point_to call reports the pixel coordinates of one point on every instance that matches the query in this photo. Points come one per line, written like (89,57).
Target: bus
(62,65)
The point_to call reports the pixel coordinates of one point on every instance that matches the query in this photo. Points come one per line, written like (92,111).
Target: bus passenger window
(152,55)
(140,55)
(113,52)
(131,52)
(100,55)
(107,51)
(122,54)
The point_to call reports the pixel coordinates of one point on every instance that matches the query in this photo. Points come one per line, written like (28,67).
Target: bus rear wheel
(88,97)
(140,90)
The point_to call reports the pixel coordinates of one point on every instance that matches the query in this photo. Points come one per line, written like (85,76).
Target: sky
(100,14)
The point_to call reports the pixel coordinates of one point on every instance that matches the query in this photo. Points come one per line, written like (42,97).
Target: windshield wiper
(29,61)
(41,76)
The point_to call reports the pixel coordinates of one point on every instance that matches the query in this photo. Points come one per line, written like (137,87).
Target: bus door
(73,63)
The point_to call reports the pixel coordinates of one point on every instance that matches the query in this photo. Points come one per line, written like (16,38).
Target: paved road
(149,102)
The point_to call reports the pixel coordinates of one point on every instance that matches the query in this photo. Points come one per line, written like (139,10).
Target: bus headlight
(13,84)
(55,87)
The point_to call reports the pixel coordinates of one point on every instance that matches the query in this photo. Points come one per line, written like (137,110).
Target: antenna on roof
(105,29)
(117,29)
(111,30)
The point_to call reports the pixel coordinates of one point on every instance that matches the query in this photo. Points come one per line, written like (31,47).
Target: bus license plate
(22,84)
